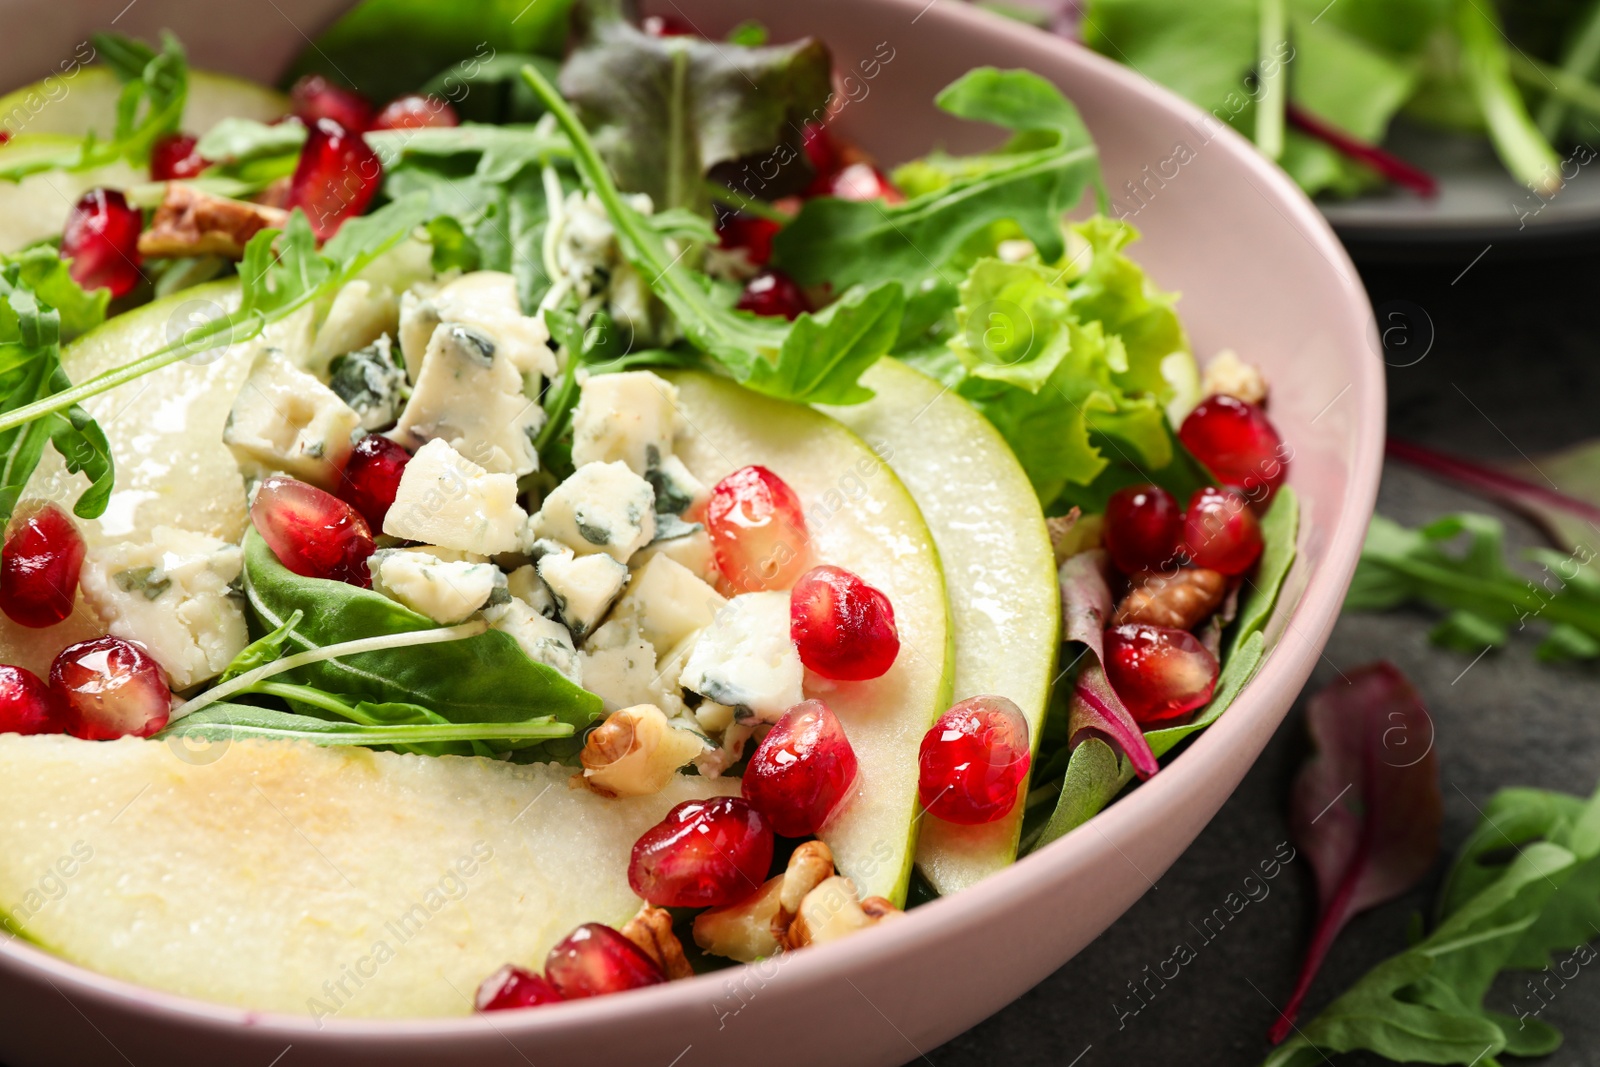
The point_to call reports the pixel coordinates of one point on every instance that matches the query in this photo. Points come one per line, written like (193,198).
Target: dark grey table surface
(1514,368)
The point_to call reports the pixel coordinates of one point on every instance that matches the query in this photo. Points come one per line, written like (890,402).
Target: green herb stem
(1271,103)
(749,205)
(248,681)
(313,696)
(1486,65)
(1563,86)
(1579,63)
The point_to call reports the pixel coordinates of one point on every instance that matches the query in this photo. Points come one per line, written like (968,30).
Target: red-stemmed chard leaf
(1569,514)
(1385,163)
(1365,808)
(1095,708)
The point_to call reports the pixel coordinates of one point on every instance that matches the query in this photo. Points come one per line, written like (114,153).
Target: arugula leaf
(1482,594)
(42,270)
(486,678)
(150,106)
(1031,181)
(230,722)
(388,47)
(1095,774)
(273,289)
(1526,883)
(664,110)
(840,342)
(30,373)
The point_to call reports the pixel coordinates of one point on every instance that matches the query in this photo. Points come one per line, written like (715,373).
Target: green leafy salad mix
(512,424)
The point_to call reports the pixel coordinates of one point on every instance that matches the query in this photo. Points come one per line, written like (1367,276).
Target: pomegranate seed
(801,771)
(594,959)
(704,853)
(5,136)
(315,97)
(39,567)
(513,987)
(371,477)
(26,704)
(773,293)
(415,111)
(1160,674)
(1220,532)
(858,181)
(110,688)
(821,151)
(973,760)
(757,529)
(667,26)
(101,238)
(754,235)
(1237,443)
(314,534)
(1143,528)
(843,627)
(173,158)
(336,178)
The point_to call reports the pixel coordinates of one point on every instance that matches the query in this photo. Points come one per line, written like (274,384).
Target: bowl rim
(1283,671)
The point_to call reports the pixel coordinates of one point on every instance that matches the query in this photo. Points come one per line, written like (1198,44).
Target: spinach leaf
(817,357)
(155,88)
(388,47)
(1096,773)
(493,90)
(1031,181)
(482,679)
(664,110)
(30,374)
(231,722)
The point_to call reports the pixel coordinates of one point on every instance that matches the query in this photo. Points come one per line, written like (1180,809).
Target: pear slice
(279,876)
(44,115)
(860,517)
(165,433)
(999,574)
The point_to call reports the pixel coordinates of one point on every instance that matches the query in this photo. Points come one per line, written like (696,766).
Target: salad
(580,522)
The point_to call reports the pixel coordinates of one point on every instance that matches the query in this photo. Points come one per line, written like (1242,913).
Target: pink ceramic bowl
(1260,272)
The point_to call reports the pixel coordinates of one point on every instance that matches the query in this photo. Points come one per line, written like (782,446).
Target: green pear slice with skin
(860,517)
(999,573)
(43,115)
(279,876)
(165,433)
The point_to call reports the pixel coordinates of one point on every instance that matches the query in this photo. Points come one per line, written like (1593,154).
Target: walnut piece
(651,931)
(754,928)
(1180,601)
(636,752)
(832,910)
(1231,376)
(192,223)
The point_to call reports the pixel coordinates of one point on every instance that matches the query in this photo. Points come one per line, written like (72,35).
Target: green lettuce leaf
(1028,183)
(1043,361)
(663,111)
